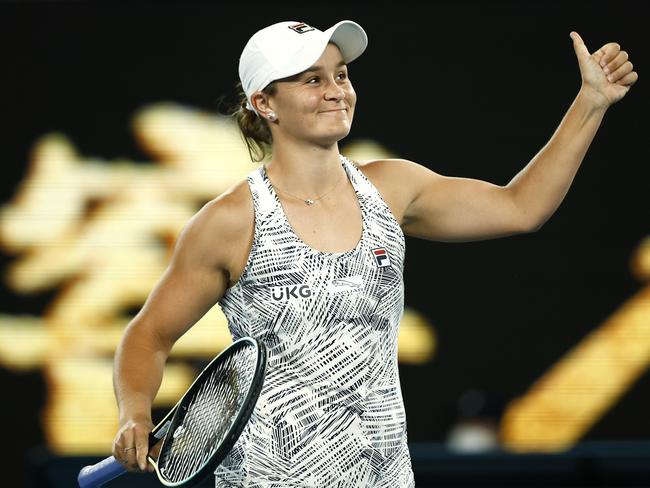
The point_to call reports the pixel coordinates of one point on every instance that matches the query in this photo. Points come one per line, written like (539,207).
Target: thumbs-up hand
(607,74)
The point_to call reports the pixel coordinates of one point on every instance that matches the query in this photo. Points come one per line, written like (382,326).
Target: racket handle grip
(97,474)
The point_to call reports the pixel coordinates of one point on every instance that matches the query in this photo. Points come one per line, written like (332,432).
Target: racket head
(212,414)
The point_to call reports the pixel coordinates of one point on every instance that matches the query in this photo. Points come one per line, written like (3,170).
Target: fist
(131,445)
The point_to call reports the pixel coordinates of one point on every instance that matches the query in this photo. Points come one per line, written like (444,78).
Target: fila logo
(381,257)
(301,28)
(285,293)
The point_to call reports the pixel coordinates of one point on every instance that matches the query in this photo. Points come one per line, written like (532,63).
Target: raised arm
(207,251)
(443,208)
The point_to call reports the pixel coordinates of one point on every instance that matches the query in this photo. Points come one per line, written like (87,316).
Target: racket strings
(209,417)
(188,449)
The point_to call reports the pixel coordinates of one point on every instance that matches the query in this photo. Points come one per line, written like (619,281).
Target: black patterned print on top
(331,411)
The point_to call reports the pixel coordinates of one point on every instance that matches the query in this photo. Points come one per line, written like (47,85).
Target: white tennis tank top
(331,412)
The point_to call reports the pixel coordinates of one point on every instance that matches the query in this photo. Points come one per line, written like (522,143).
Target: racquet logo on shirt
(301,28)
(381,257)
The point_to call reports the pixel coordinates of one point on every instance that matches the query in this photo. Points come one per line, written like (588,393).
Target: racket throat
(155,442)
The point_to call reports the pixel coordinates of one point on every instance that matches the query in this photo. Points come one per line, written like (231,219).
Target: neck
(305,171)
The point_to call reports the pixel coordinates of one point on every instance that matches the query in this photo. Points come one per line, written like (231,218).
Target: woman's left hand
(607,74)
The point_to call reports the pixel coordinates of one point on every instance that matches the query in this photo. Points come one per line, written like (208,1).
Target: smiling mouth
(335,110)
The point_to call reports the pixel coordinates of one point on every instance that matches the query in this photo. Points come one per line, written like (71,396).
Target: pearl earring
(272,116)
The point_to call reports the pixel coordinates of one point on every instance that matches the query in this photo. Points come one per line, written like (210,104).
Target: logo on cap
(301,28)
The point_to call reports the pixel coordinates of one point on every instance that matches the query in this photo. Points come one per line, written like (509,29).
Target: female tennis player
(307,256)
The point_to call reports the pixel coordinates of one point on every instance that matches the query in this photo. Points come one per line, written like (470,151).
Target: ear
(262,103)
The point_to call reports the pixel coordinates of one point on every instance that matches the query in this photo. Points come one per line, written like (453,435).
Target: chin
(333,137)
(328,134)
(340,131)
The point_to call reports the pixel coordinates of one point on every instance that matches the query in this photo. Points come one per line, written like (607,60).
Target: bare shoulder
(398,181)
(390,168)
(220,233)
(229,212)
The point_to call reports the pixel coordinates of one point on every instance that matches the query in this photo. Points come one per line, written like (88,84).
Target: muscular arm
(436,207)
(462,209)
(197,276)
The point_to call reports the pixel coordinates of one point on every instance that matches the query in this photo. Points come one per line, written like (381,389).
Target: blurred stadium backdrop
(521,358)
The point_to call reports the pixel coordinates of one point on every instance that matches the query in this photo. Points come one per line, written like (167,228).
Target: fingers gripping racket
(200,430)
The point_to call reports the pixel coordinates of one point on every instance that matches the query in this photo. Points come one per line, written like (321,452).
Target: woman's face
(318,104)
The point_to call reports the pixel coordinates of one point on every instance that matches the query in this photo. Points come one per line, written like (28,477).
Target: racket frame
(170,420)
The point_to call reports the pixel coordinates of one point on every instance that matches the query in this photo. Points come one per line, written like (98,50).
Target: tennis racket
(200,430)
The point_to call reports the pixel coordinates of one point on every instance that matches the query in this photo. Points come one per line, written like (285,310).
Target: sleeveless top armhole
(372,188)
(254,243)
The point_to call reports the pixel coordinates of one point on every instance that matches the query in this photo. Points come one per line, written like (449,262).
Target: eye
(313,79)
(343,75)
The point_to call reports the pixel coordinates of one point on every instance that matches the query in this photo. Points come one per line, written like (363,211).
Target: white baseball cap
(288,48)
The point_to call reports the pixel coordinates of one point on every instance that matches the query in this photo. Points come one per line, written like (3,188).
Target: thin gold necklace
(307,201)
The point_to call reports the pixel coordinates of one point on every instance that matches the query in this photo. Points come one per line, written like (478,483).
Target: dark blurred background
(469,89)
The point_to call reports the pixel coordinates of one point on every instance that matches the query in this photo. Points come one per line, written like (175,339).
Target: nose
(333,91)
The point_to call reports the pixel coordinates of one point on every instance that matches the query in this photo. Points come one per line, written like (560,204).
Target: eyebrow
(320,68)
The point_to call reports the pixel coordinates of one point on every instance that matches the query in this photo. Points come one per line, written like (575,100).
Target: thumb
(579,45)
